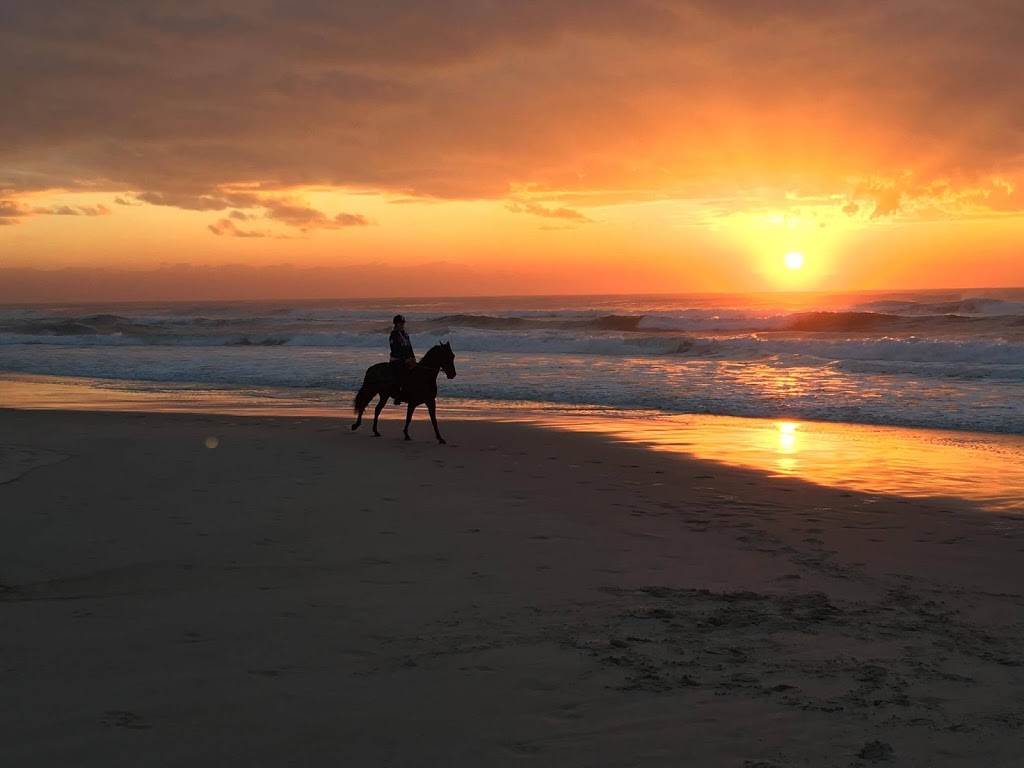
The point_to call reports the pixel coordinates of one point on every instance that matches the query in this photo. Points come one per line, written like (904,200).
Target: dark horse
(420,387)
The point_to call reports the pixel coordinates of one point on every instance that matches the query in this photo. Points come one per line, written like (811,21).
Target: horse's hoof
(376,434)
(408,438)
(355,427)
(442,441)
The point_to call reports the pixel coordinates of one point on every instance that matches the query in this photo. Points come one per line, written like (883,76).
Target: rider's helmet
(398,319)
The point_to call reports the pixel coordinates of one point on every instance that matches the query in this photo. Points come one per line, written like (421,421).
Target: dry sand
(302,595)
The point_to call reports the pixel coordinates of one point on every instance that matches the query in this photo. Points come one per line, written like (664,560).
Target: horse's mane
(434,350)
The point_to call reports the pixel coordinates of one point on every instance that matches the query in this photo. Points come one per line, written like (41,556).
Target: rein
(428,368)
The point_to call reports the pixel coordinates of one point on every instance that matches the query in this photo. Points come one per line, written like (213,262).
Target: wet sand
(209,590)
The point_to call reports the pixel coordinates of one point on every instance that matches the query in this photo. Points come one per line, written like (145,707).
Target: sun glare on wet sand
(982,468)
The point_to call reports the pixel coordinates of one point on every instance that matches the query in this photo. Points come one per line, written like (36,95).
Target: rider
(402,357)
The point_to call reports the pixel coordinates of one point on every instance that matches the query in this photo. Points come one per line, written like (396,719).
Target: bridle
(432,368)
(444,368)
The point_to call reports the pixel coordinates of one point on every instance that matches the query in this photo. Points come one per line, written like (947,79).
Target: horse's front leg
(376,412)
(431,406)
(408,417)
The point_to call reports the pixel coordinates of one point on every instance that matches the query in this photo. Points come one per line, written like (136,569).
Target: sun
(794,260)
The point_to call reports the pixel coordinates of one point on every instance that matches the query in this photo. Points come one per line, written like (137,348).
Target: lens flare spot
(211,442)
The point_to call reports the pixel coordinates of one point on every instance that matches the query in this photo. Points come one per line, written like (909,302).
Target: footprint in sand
(122,718)
(875,751)
(523,749)
(265,672)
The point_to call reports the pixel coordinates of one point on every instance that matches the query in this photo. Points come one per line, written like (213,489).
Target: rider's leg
(398,376)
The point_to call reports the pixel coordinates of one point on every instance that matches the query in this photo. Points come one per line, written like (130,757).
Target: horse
(420,387)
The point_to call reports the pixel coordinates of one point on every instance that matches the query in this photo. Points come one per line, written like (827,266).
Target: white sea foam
(713,321)
(885,361)
(967,307)
(571,342)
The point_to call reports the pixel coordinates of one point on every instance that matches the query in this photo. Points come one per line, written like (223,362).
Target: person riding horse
(420,387)
(402,357)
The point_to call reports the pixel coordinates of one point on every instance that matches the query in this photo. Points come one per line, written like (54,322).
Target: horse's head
(441,358)
(447,363)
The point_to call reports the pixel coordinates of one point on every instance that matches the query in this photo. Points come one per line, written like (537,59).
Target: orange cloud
(305,218)
(227,227)
(11,212)
(554,213)
(701,135)
(627,99)
(76,210)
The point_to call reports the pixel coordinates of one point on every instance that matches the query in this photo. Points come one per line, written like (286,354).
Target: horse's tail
(363,397)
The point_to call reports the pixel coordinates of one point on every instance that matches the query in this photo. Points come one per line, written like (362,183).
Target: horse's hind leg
(408,417)
(431,406)
(376,412)
(362,399)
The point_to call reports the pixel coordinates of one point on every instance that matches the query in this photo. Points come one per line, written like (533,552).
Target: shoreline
(296,592)
(976,468)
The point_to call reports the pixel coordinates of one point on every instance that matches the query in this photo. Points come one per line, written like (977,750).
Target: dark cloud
(462,99)
(227,227)
(285,211)
(554,213)
(11,212)
(350,220)
(74,210)
(196,202)
(303,217)
(237,281)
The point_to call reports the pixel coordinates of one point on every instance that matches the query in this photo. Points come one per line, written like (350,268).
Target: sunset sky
(332,148)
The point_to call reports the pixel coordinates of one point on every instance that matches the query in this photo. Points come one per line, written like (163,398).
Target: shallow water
(984,469)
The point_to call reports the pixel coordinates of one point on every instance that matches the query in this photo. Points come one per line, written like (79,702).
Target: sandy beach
(193,589)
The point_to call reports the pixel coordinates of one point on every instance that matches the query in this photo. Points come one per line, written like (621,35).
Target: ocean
(951,361)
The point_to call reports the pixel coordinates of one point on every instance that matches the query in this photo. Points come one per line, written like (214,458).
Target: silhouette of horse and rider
(408,381)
